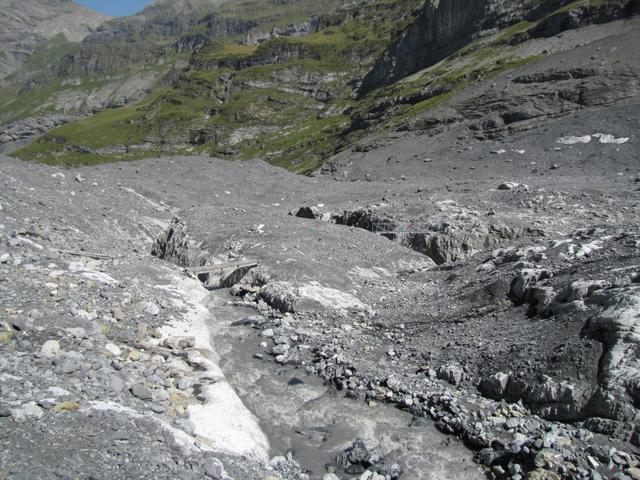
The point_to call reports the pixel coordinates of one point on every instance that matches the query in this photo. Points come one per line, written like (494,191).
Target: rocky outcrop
(449,243)
(273,53)
(567,19)
(441,28)
(254,37)
(211,26)
(174,245)
(617,327)
(18,133)
(442,242)
(532,98)
(445,26)
(557,400)
(105,57)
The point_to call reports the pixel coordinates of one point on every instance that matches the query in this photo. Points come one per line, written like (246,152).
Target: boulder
(451,373)
(495,385)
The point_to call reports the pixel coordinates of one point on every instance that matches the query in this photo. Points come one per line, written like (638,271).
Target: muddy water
(300,414)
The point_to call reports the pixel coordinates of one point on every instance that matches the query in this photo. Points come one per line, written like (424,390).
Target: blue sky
(115,7)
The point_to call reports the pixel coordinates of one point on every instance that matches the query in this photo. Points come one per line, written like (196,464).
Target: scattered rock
(113,349)
(214,468)
(50,348)
(179,343)
(454,374)
(141,391)
(152,309)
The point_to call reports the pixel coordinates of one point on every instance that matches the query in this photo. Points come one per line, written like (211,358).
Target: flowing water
(315,422)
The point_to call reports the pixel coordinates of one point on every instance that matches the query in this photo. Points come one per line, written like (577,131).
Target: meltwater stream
(315,422)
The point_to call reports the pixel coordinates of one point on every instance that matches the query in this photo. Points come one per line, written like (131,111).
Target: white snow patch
(90,274)
(330,297)
(588,248)
(571,140)
(223,419)
(227,423)
(606,138)
(364,272)
(100,277)
(602,137)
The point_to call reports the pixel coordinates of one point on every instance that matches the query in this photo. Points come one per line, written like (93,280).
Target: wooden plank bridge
(220,268)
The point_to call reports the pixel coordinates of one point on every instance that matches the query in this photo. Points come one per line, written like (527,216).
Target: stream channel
(315,422)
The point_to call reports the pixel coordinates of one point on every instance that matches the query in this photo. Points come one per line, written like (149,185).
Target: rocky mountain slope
(307,92)
(26,24)
(126,59)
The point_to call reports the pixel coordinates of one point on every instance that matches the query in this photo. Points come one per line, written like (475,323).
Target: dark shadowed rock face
(443,27)
(440,29)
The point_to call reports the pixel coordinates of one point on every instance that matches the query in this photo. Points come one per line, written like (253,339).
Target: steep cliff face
(445,26)
(26,23)
(441,28)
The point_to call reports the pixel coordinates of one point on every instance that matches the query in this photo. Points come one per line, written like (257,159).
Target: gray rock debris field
(507,316)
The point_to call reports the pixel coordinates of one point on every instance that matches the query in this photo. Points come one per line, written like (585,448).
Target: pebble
(69,366)
(47,403)
(281,340)
(152,309)
(407,401)
(184,383)
(116,384)
(280,349)
(134,355)
(158,408)
(50,348)
(76,332)
(214,468)
(141,391)
(179,343)
(118,314)
(113,349)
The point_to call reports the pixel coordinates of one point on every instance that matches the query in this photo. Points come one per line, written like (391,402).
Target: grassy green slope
(286,107)
(60,67)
